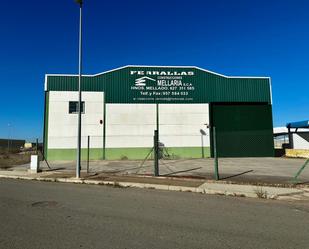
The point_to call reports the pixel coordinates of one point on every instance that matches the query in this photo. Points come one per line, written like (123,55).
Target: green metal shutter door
(243,130)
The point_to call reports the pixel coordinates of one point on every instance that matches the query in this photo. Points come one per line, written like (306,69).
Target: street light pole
(78,163)
(9,137)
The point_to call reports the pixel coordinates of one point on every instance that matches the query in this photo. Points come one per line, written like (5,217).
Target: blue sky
(239,37)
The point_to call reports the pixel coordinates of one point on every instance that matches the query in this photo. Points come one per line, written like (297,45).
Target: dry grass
(261,193)
(9,160)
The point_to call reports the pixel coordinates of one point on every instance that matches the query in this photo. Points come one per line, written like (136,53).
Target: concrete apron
(236,190)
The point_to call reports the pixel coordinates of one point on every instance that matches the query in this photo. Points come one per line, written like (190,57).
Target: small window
(73,107)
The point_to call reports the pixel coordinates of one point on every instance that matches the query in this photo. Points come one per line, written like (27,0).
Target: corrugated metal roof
(118,86)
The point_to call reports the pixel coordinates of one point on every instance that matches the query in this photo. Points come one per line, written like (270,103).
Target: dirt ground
(9,160)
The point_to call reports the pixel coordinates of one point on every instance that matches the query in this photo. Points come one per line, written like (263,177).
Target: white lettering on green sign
(163,85)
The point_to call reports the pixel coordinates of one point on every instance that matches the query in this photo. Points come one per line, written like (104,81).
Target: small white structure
(34,164)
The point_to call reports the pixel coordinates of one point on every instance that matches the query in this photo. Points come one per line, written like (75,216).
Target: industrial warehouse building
(121,109)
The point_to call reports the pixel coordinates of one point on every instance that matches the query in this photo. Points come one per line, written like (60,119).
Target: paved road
(55,215)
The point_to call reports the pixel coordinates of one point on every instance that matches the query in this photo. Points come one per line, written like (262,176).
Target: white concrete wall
(132,125)
(299,142)
(180,124)
(127,125)
(62,126)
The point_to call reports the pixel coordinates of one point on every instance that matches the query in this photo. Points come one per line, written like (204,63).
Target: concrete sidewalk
(251,171)
(168,183)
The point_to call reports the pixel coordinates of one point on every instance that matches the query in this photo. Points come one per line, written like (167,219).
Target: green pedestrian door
(242,130)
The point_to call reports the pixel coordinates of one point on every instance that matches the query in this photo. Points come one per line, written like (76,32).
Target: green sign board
(162,85)
(149,84)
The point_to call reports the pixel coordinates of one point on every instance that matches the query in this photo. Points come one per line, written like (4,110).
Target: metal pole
(8,138)
(157,118)
(78,164)
(203,155)
(104,127)
(156,143)
(215,154)
(300,170)
(88,145)
(291,144)
(37,145)
(156,152)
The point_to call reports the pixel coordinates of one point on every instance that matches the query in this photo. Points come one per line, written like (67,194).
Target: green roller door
(243,130)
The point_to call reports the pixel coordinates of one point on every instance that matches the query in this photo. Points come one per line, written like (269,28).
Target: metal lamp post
(78,161)
(9,137)
(203,133)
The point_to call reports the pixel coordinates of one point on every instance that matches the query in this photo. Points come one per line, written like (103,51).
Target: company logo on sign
(143,80)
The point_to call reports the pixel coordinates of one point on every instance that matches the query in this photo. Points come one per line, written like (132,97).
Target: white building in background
(300,138)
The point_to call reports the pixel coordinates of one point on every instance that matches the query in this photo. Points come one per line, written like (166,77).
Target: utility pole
(9,137)
(78,163)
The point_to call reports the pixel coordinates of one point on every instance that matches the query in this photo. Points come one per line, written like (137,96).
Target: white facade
(130,125)
(180,124)
(127,125)
(133,125)
(62,126)
(300,143)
